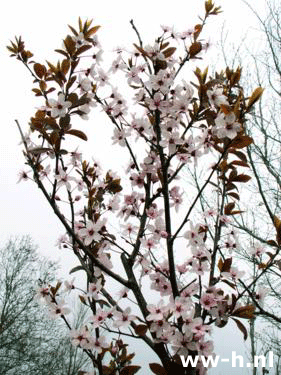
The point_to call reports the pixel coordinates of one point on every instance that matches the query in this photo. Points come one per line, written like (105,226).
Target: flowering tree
(176,278)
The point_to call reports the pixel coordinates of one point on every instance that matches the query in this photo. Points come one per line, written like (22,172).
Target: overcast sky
(42,26)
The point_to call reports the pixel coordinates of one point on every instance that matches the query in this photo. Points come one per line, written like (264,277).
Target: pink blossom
(181,343)
(226,125)
(59,107)
(98,344)
(216,96)
(69,285)
(157,312)
(94,289)
(58,309)
(124,318)
(23,176)
(99,318)
(208,301)
(62,241)
(80,337)
(92,231)
(63,179)
(137,179)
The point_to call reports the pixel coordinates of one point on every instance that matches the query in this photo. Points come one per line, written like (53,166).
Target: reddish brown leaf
(223,166)
(92,31)
(157,369)
(194,49)
(52,67)
(62,52)
(164,45)
(51,89)
(77,133)
(228,208)
(141,329)
(208,5)
(234,195)
(240,163)
(73,98)
(277,224)
(141,50)
(197,31)
(107,370)
(114,186)
(73,30)
(69,84)
(257,93)
(83,49)
(42,85)
(226,265)
(169,52)
(220,264)
(54,139)
(226,109)
(241,327)
(160,64)
(65,122)
(56,288)
(246,312)
(240,154)
(230,186)
(40,70)
(235,212)
(37,92)
(69,44)
(65,65)
(232,174)
(241,141)
(130,370)
(241,178)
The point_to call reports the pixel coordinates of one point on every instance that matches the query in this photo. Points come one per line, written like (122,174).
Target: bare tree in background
(30,342)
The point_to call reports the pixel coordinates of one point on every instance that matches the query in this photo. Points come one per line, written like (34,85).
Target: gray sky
(23,208)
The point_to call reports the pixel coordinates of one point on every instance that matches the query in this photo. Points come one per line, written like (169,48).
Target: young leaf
(157,369)
(141,329)
(228,208)
(194,49)
(241,178)
(226,265)
(277,224)
(169,52)
(40,70)
(130,370)
(234,195)
(77,133)
(257,93)
(241,327)
(241,141)
(246,312)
